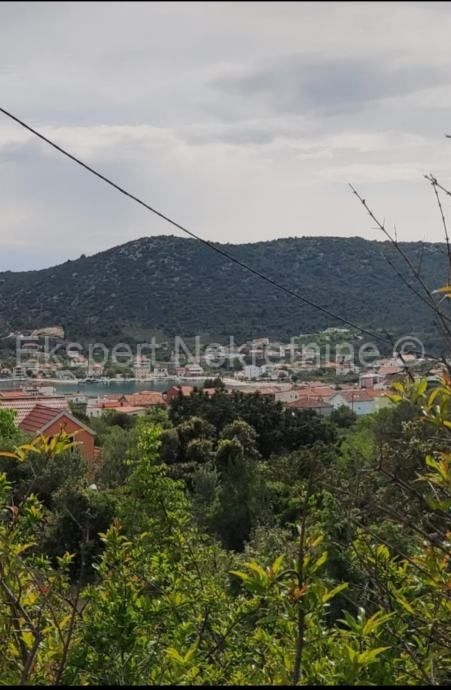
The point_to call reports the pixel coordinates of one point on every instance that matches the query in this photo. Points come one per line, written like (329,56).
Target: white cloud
(139,90)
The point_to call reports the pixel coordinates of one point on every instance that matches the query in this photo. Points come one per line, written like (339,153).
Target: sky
(242,121)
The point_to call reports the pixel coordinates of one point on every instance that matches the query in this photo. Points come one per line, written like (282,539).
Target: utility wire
(223,253)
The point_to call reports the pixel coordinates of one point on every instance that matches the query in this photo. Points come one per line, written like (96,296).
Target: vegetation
(167,286)
(230,541)
(224,543)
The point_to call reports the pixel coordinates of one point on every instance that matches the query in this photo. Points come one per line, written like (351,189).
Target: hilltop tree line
(167,286)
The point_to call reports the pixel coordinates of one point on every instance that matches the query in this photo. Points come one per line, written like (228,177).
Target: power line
(223,253)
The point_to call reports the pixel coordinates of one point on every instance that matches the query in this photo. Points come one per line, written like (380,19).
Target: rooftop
(23,406)
(38,418)
(309,403)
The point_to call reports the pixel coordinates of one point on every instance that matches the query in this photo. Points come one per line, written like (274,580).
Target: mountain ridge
(179,286)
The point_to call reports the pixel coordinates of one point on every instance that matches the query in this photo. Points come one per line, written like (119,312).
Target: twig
(406,259)
(445,228)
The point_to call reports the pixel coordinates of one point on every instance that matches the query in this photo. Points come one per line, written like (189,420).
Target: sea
(99,388)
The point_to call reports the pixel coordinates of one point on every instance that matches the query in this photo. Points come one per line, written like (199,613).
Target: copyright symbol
(408,344)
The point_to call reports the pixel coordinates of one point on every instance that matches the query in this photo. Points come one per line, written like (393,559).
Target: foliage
(176,270)
(277,429)
(8,429)
(197,559)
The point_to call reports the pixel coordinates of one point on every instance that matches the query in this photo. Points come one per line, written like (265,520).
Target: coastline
(106,381)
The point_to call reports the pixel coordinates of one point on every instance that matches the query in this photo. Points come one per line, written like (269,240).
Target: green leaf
(243,576)
(370,656)
(174,654)
(257,569)
(277,565)
(320,561)
(333,592)
(405,604)
(382,552)
(375,621)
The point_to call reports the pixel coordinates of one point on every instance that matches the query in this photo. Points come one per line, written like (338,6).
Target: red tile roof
(263,390)
(39,417)
(145,399)
(323,391)
(306,403)
(23,406)
(184,390)
(127,409)
(209,391)
(390,371)
(360,394)
(14,395)
(108,404)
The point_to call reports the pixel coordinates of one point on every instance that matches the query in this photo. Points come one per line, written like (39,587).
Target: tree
(343,417)
(8,429)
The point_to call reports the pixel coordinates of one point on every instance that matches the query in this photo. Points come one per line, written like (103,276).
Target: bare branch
(394,241)
(445,228)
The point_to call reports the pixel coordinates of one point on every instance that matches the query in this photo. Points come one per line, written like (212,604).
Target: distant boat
(89,379)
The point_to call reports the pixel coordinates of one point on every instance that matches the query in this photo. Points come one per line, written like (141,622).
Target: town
(299,376)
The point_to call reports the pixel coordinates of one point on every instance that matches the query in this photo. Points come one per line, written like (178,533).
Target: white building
(193,370)
(359,400)
(251,371)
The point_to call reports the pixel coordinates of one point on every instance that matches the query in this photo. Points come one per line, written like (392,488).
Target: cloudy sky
(243,121)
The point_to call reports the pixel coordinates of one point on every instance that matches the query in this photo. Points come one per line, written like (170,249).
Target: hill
(175,286)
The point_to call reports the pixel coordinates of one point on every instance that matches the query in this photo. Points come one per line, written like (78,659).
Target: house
(133,410)
(16,394)
(318,405)
(174,391)
(146,399)
(193,370)
(370,379)
(391,374)
(141,367)
(287,396)
(23,404)
(315,389)
(251,371)
(359,400)
(160,372)
(50,422)
(267,391)
(134,404)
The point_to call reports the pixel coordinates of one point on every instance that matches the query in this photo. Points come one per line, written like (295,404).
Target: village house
(22,402)
(359,400)
(371,379)
(193,370)
(144,399)
(391,373)
(318,405)
(135,403)
(251,371)
(133,410)
(141,367)
(175,391)
(48,421)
